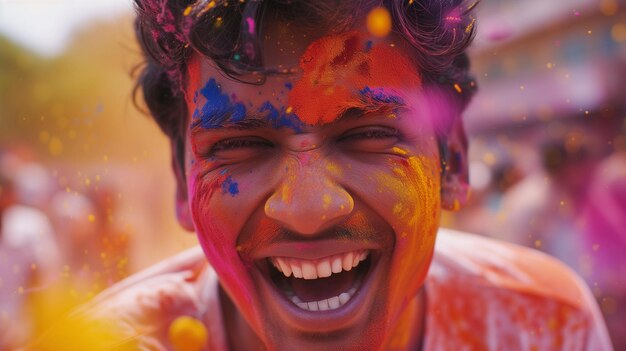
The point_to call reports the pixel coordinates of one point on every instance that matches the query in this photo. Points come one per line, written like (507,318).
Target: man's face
(316,196)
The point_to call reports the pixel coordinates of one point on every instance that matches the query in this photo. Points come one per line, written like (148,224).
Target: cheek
(214,214)
(208,219)
(413,188)
(409,189)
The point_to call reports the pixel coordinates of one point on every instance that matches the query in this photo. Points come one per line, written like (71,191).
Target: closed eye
(239,147)
(376,132)
(369,138)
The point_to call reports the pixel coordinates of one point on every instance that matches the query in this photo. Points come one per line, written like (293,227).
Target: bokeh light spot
(187,334)
(379,22)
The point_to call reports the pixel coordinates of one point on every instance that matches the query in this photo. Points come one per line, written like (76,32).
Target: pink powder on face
(336,68)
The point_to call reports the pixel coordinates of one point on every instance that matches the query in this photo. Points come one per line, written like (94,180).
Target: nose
(308,200)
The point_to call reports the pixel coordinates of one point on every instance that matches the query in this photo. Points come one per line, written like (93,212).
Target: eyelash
(230,144)
(372,133)
(369,133)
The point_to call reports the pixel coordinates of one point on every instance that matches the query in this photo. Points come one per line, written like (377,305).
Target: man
(313,150)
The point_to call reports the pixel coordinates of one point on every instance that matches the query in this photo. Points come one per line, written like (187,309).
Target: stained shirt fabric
(481,294)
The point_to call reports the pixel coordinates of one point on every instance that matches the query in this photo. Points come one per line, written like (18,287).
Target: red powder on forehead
(336,68)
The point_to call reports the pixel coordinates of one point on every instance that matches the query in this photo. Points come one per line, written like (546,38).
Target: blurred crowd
(560,188)
(59,246)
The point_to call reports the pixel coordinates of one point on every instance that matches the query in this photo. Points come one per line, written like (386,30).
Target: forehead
(333,73)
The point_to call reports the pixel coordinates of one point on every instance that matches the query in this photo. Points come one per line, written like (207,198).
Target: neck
(239,334)
(408,332)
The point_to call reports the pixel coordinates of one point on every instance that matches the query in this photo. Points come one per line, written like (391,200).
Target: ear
(455,188)
(183,212)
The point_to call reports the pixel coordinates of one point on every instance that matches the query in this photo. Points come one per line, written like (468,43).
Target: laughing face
(316,196)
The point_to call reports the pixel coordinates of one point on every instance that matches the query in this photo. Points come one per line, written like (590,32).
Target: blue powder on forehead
(289,86)
(229,186)
(280,118)
(218,108)
(379,95)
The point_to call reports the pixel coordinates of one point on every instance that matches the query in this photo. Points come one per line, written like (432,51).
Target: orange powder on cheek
(335,70)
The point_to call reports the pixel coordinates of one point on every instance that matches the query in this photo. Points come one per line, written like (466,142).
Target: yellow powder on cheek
(425,181)
(415,183)
(334,169)
(416,187)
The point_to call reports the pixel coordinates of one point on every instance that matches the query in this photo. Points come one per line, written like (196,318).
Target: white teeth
(309,271)
(343,298)
(275,261)
(334,302)
(283,266)
(356,260)
(337,266)
(323,305)
(321,268)
(329,304)
(348,259)
(296,269)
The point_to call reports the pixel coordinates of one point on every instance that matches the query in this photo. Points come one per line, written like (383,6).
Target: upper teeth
(320,268)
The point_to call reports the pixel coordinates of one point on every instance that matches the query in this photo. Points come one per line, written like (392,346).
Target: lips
(321,285)
(324,284)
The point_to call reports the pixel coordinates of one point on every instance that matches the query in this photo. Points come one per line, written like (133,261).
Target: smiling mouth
(323,284)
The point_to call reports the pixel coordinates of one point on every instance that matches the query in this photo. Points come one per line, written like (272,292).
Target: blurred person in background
(573,207)
(95,249)
(604,241)
(540,211)
(29,261)
(113,241)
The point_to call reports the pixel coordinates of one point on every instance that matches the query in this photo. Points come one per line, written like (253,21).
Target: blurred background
(86,192)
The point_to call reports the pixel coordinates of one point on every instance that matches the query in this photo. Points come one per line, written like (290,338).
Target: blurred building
(538,61)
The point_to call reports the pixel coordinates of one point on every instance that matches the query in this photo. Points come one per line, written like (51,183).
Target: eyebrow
(247,123)
(372,102)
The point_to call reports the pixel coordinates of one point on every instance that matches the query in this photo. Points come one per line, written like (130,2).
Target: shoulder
(181,270)
(138,311)
(503,294)
(500,264)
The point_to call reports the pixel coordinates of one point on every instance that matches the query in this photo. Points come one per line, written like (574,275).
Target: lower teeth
(329,304)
